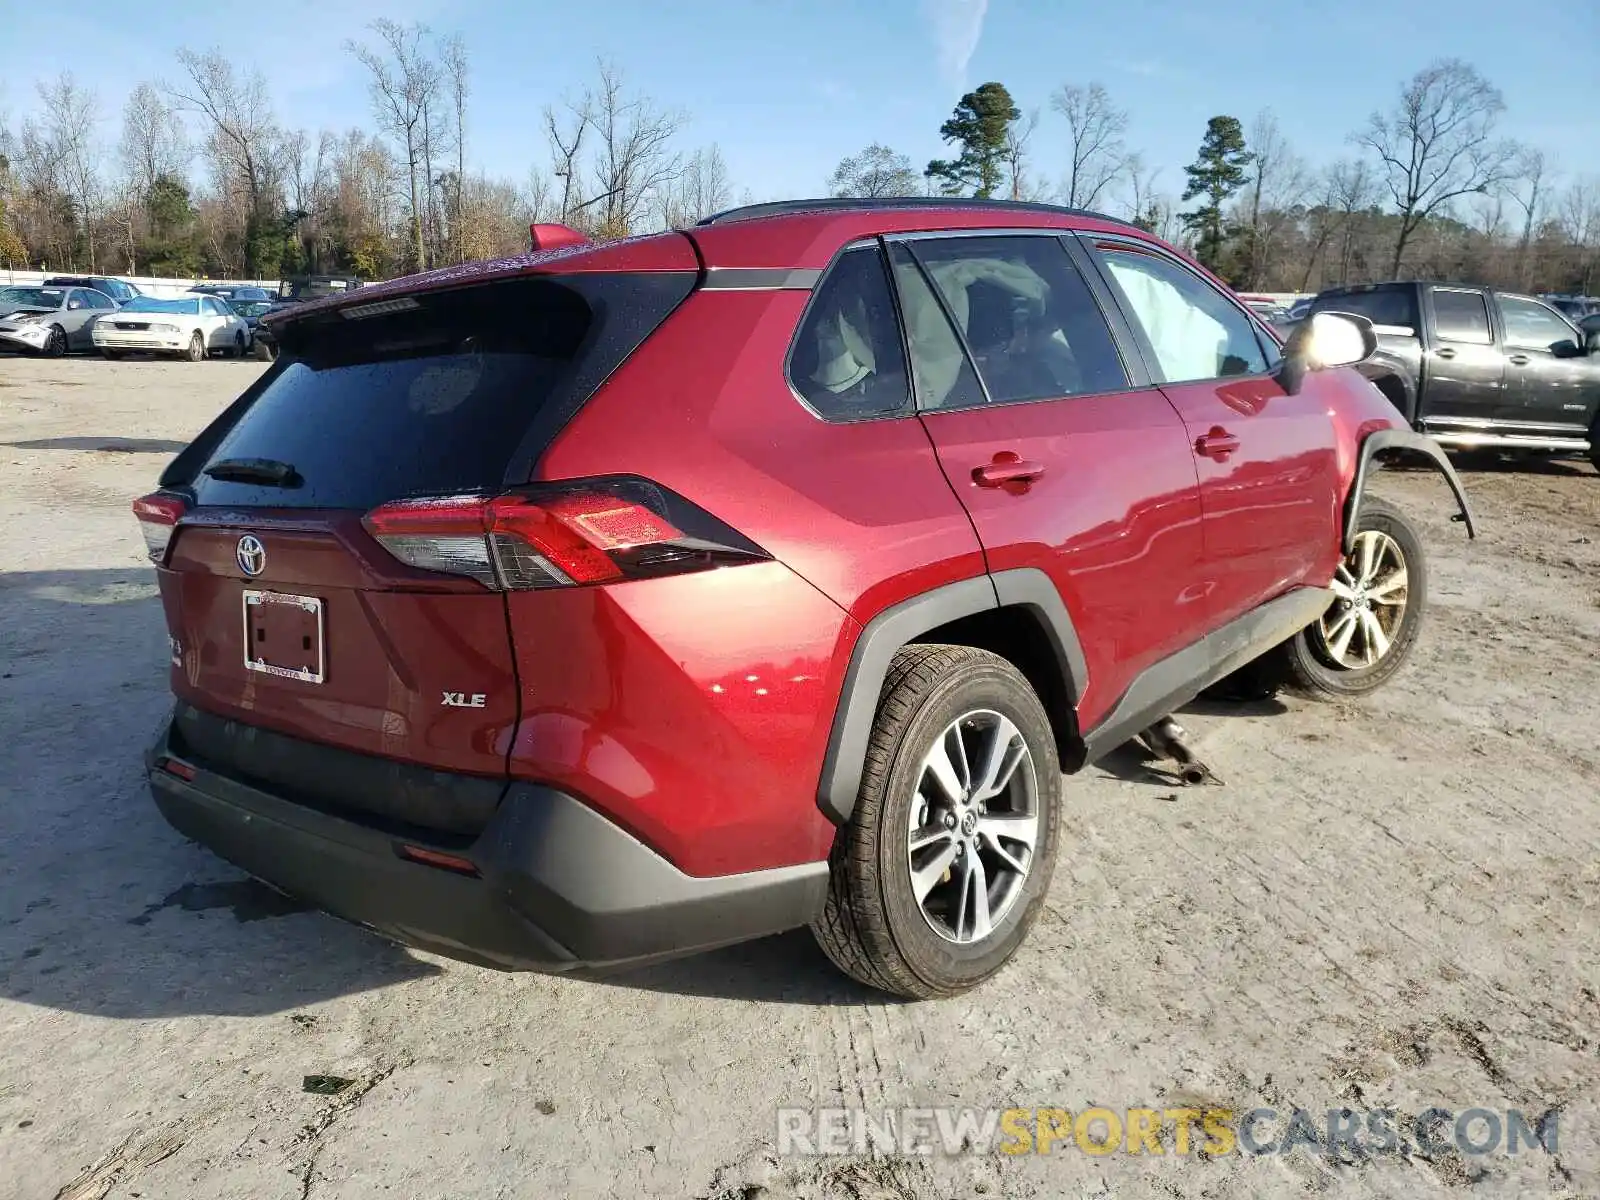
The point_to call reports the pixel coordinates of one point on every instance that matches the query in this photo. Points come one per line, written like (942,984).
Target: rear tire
(964,715)
(1366,637)
(197,349)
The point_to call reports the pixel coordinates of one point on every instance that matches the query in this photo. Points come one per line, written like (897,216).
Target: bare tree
(538,197)
(1527,192)
(565,131)
(68,140)
(154,141)
(1353,190)
(633,156)
(1018,134)
(1579,222)
(1277,186)
(402,85)
(1095,127)
(453,54)
(876,171)
(701,190)
(243,137)
(1438,144)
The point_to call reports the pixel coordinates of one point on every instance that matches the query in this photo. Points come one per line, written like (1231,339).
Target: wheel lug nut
(949,820)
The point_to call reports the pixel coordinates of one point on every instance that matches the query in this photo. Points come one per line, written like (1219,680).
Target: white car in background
(193,326)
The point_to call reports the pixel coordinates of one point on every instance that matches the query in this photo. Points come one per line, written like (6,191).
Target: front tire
(56,344)
(945,861)
(197,349)
(238,346)
(263,351)
(1366,636)
(111,355)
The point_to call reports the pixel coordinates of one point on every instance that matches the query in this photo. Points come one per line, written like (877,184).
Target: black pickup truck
(1475,368)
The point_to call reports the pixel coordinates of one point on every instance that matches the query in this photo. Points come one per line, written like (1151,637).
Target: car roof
(791,234)
(801,234)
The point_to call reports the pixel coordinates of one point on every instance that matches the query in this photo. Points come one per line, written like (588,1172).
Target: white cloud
(956,26)
(1150,68)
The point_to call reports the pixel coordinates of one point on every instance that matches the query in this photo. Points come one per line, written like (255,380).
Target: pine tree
(979,126)
(1215,175)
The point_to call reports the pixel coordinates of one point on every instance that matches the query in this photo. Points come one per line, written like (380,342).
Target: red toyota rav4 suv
(624,600)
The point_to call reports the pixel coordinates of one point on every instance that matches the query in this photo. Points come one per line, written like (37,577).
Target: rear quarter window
(434,399)
(1395,307)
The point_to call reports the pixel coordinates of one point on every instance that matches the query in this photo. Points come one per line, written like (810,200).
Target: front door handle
(1217,444)
(1445,352)
(1008,470)
(1520,360)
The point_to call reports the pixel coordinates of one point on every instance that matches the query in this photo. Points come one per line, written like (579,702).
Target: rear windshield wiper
(268,471)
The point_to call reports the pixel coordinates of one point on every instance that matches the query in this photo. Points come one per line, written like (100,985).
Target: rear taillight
(559,535)
(158,513)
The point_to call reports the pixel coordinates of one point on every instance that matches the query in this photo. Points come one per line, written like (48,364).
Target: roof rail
(774,208)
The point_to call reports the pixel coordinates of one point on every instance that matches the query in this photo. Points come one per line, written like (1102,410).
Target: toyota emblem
(251,554)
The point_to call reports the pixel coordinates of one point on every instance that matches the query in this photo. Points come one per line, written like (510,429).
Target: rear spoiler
(548,236)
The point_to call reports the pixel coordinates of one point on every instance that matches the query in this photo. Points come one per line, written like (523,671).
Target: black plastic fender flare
(1026,589)
(1382,440)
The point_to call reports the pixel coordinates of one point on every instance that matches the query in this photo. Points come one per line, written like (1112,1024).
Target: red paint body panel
(693,711)
(1114,521)
(1271,506)
(395,641)
(862,511)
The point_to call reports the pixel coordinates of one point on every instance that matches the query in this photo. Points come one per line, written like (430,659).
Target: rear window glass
(1396,307)
(436,397)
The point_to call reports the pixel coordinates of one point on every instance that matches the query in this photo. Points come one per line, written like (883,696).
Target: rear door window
(1461,316)
(1031,323)
(433,396)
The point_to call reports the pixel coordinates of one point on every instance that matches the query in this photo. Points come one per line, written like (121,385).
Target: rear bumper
(558,886)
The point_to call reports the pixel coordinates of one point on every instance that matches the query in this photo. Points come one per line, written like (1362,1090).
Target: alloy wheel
(1371,590)
(973,826)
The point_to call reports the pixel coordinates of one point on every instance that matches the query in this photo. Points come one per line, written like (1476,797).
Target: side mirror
(1567,348)
(74,304)
(1322,340)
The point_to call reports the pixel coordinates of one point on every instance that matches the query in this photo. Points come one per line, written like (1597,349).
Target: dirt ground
(1391,904)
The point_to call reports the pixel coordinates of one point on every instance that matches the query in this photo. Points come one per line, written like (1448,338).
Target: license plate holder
(283,636)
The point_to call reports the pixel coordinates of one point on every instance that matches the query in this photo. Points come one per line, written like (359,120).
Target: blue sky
(786,88)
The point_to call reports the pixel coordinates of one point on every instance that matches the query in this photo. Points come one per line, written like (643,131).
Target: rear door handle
(1446,352)
(1008,470)
(1520,360)
(1217,444)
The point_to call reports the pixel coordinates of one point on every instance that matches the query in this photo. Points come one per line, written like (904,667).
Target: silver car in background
(51,320)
